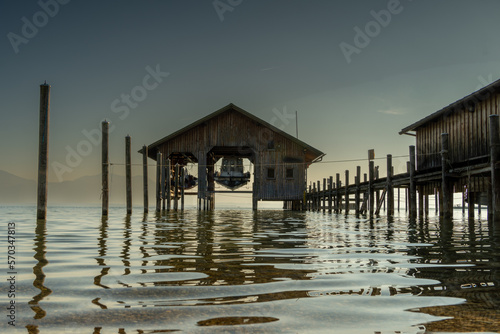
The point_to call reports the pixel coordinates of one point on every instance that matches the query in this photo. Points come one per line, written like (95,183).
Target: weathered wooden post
(330,188)
(318,198)
(346,192)
(338,197)
(168,186)
(390,187)
(176,189)
(163,183)
(371,193)
(495,168)
(145,176)
(314,197)
(43,151)
(420,201)
(159,163)
(377,192)
(399,197)
(105,168)
(413,186)
(324,194)
(309,198)
(182,184)
(446,185)
(128,175)
(358,190)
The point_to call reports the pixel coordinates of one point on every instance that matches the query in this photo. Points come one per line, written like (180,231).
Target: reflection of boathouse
(279,160)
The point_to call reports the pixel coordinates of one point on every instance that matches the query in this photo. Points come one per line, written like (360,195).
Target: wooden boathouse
(279,160)
(457,151)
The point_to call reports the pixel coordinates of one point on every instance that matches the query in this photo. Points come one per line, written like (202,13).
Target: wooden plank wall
(468,135)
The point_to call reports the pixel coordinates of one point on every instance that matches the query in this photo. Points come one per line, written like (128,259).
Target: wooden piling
(357,198)
(495,168)
(159,162)
(377,192)
(168,186)
(163,183)
(324,194)
(182,184)
(43,151)
(446,184)
(413,187)
(338,197)
(390,187)
(105,168)
(371,193)
(145,177)
(128,174)
(176,189)
(318,198)
(346,200)
(420,201)
(470,204)
(330,188)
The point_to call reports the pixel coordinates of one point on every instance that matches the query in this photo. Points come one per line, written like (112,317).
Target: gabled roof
(315,152)
(462,104)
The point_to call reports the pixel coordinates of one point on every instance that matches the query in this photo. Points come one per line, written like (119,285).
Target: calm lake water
(235,271)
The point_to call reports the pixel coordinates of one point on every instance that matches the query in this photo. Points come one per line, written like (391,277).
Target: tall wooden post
(495,169)
(377,192)
(43,151)
(176,189)
(358,191)
(163,183)
(145,177)
(105,168)
(318,198)
(446,185)
(128,174)
(182,185)
(413,187)
(168,186)
(330,188)
(346,192)
(390,187)
(338,197)
(371,193)
(159,163)
(324,194)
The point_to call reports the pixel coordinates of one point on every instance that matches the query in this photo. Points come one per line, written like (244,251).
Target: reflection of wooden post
(494,209)
(145,176)
(43,151)
(128,174)
(413,187)
(105,168)
(446,185)
(159,162)
(390,188)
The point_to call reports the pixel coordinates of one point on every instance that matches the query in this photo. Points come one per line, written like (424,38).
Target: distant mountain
(85,190)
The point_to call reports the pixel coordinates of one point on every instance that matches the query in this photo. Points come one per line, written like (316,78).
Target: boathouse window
(270,145)
(270,173)
(289,173)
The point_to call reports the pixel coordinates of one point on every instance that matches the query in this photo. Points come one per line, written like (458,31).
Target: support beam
(446,184)
(371,193)
(105,168)
(168,185)
(358,190)
(163,183)
(413,187)
(390,187)
(330,188)
(145,177)
(495,168)
(338,197)
(346,192)
(43,151)
(128,174)
(159,161)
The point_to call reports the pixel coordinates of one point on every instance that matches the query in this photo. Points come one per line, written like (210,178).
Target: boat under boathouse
(278,160)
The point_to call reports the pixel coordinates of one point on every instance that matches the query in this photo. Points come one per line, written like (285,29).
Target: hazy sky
(357,72)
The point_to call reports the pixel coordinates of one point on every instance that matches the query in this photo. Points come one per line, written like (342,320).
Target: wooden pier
(457,151)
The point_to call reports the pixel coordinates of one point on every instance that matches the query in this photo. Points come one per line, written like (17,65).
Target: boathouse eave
(314,153)
(471,99)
